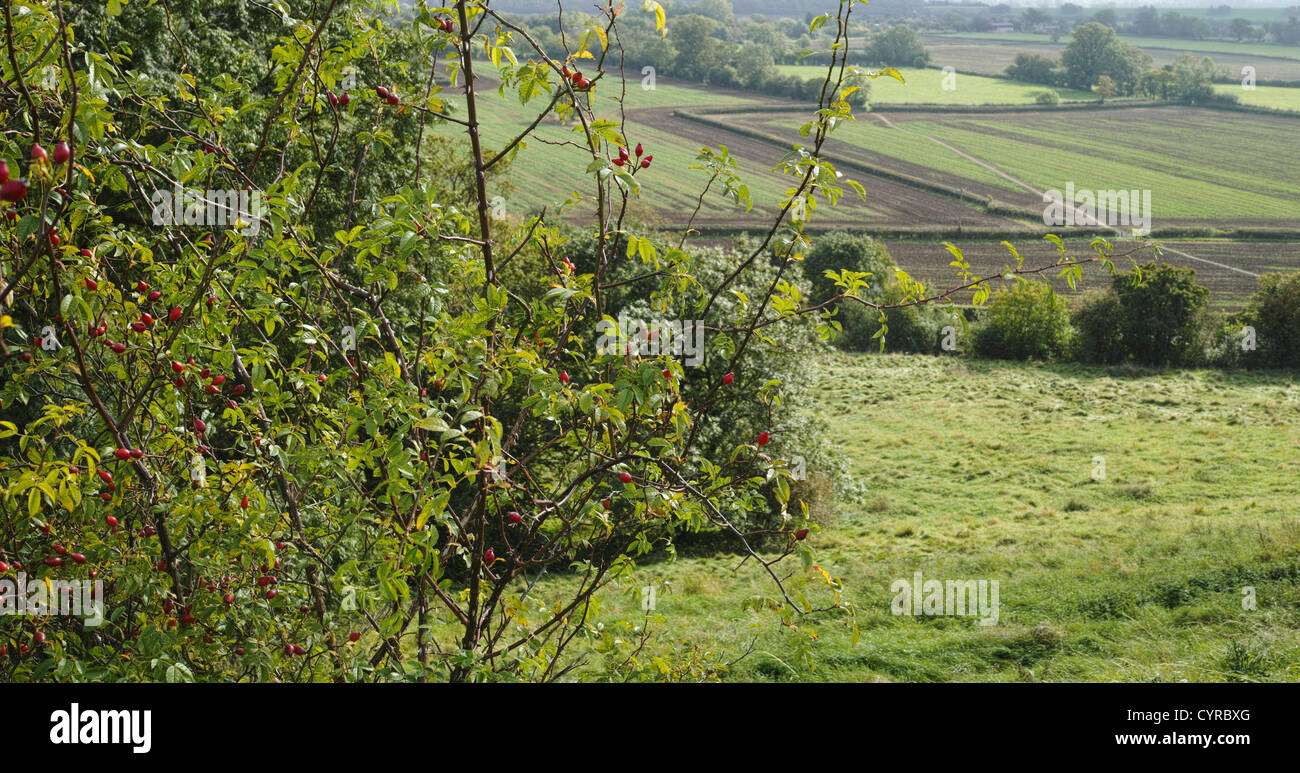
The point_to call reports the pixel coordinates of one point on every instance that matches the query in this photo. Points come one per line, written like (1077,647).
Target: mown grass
(984,470)
(1276,97)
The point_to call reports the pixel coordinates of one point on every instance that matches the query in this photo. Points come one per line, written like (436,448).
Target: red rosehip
(38,152)
(763,437)
(489,556)
(141,286)
(354,636)
(111,521)
(626,477)
(178,367)
(801,534)
(122,453)
(77,558)
(174,314)
(727,379)
(91,284)
(514,517)
(13,190)
(154,295)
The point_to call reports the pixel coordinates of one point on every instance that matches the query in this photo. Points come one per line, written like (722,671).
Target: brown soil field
(1229,289)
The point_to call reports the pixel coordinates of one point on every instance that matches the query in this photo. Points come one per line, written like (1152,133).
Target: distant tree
(1105,88)
(1158,84)
(1147,21)
(1241,29)
(1049,97)
(754,65)
(1193,78)
(1034,68)
(1095,50)
(900,47)
(1033,16)
(1070,9)
(1106,16)
(692,38)
(718,10)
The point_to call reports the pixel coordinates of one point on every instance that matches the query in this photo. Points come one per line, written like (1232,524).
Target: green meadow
(974,470)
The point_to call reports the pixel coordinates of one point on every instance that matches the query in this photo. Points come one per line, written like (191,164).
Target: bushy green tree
(1273,315)
(898,46)
(1095,50)
(1028,321)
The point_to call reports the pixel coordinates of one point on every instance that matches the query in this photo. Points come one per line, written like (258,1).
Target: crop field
(1190,181)
(984,470)
(930,172)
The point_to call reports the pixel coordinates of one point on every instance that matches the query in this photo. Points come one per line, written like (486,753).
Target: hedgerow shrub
(1028,321)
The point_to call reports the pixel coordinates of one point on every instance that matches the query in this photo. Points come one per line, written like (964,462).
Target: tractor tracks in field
(1026,186)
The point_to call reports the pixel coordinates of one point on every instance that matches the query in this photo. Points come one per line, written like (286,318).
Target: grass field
(1276,97)
(926,86)
(982,470)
